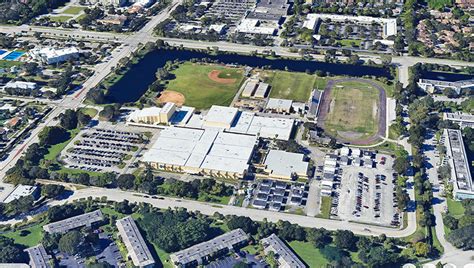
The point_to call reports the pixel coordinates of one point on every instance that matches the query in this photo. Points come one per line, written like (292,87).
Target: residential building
(285,257)
(51,55)
(285,165)
(435,86)
(86,219)
(202,253)
(463,186)
(38,257)
(389,26)
(134,242)
(21,85)
(22,191)
(462,119)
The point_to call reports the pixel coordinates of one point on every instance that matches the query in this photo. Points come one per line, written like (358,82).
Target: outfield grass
(309,254)
(74,10)
(199,90)
(291,85)
(325,207)
(352,110)
(32,239)
(59,18)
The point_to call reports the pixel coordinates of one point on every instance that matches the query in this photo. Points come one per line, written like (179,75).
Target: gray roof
(197,252)
(285,256)
(38,257)
(133,240)
(85,219)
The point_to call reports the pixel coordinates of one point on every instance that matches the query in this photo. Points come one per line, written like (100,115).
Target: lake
(136,81)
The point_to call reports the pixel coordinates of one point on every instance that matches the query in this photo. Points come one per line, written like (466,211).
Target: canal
(136,81)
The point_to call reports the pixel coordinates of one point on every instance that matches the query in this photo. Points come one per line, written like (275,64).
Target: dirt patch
(171,96)
(214,76)
(350,135)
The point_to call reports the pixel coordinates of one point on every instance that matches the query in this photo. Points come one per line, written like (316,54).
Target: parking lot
(279,195)
(367,194)
(231,261)
(103,149)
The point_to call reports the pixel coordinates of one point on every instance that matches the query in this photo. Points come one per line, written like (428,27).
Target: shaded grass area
(353,110)
(59,18)
(291,85)
(56,149)
(199,90)
(309,254)
(33,235)
(89,111)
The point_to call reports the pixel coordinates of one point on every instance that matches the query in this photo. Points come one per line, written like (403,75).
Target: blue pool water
(2,51)
(14,55)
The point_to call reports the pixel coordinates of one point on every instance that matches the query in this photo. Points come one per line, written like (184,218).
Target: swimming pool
(14,55)
(2,51)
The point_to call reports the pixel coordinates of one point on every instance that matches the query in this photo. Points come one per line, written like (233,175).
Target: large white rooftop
(220,116)
(202,148)
(20,191)
(265,127)
(285,164)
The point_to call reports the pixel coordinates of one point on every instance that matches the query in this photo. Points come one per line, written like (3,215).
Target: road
(210,209)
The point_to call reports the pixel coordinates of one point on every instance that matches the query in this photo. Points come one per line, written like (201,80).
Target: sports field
(73,10)
(290,85)
(353,110)
(205,85)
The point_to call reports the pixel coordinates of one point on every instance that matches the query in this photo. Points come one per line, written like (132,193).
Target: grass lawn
(352,110)
(291,85)
(89,111)
(325,207)
(437,4)
(223,200)
(54,150)
(59,18)
(455,208)
(348,42)
(31,239)
(308,253)
(164,257)
(74,10)
(251,249)
(199,90)
(9,63)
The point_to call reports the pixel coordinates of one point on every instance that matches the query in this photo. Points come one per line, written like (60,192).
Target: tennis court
(14,55)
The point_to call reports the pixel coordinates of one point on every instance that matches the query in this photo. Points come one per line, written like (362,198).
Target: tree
(126,181)
(401,165)
(52,190)
(68,119)
(242,222)
(83,118)
(319,237)
(345,239)
(52,135)
(290,232)
(462,237)
(70,242)
(11,252)
(422,249)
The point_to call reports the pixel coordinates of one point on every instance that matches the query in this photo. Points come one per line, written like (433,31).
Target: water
(136,81)
(450,77)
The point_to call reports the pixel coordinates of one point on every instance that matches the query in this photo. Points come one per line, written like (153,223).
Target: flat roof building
(463,119)
(283,254)
(285,165)
(86,219)
(202,151)
(249,87)
(134,242)
(252,26)
(169,114)
(220,117)
(463,186)
(22,191)
(264,127)
(202,252)
(262,90)
(21,85)
(38,257)
(433,86)
(51,55)
(279,105)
